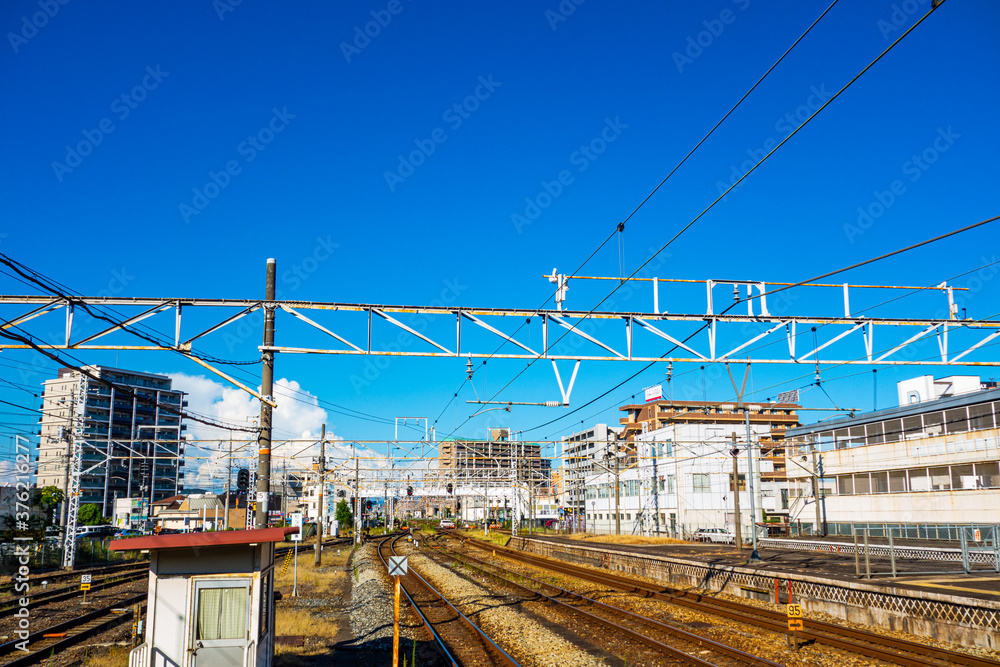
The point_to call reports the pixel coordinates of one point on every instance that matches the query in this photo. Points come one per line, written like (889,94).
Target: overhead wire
(619,227)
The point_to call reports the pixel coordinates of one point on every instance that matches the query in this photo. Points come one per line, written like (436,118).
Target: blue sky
(218,135)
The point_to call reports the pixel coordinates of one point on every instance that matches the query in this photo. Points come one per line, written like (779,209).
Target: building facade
(935,458)
(580,450)
(131,436)
(675,475)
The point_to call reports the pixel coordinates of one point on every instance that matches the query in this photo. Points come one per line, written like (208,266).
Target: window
(913,427)
(940,479)
(893,430)
(875,434)
(670,483)
(861,484)
(988,475)
(784,499)
(265,603)
(934,423)
(741,480)
(702,483)
(845,485)
(980,417)
(962,477)
(880,482)
(857,436)
(897,481)
(222,613)
(840,438)
(956,421)
(919,481)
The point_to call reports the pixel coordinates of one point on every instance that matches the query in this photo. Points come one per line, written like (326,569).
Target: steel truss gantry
(719,337)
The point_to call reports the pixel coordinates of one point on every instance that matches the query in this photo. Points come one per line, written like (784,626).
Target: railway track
(458,638)
(40,598)
(59,637)
(78,630)
(610,617)
(863,642)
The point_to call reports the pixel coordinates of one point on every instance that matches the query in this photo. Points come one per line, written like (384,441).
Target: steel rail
(867,643)
(67,626)
(446,654)
(39,599)
(506,657)
(666,627)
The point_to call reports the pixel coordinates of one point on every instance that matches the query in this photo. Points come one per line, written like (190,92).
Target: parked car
(720,535)
(445,523)
(126,533)
(94,532)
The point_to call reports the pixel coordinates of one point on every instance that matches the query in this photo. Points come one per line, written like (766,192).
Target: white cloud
(297,417)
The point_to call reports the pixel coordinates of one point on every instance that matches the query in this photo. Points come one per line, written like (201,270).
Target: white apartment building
(579,451)
(681,479)
(933,459)
(132,432)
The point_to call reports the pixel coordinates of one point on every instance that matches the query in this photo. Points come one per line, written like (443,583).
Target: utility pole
(754,555)
(736,494)
(321,507)
(357,502)
(267,388)
(229,481)
(618,516)
(817,491)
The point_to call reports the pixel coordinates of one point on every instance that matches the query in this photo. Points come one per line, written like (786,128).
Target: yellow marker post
(795,623)
(397,567)
(395,627)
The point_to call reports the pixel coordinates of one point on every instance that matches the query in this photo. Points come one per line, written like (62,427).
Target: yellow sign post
(397,567)
(795,623)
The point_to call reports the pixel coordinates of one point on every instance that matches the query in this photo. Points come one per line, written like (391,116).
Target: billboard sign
(654,393)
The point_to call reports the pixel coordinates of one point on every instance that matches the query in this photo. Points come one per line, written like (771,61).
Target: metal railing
(893,551)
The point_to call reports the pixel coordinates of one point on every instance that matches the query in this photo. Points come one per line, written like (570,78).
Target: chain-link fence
(48,555)
(899,550)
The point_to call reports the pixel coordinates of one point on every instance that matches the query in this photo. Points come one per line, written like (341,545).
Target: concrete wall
(945,617)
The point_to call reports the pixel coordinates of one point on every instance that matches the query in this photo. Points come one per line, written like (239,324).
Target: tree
(90,515)
(344,515)
(49,498)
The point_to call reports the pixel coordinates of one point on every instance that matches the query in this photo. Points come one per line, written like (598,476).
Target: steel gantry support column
(267,388)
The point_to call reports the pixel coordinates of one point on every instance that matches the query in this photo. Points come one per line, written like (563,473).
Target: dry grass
(107,656)
(624,539)
(312,581)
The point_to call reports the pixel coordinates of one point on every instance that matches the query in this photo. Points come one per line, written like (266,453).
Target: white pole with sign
(296,538)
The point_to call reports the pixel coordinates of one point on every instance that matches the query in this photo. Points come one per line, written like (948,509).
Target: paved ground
(933,576)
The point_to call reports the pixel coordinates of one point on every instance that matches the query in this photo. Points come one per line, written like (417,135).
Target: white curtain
(222,613)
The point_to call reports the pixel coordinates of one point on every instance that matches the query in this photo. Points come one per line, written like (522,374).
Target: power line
(724,194)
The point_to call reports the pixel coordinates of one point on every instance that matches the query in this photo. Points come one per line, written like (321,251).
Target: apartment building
(580,450)
(676,473)
(131,433)
(934,458)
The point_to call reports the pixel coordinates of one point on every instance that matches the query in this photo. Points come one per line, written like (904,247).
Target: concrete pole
(229,482)
(321,508)
(754,555)
(736,494)
(267,389)
(618,516)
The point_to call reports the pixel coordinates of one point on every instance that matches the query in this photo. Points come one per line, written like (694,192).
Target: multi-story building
(579,452)
(935,458)
(131,435)
(682,477)
(461,459)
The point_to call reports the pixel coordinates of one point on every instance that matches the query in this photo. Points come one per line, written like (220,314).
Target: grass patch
(624,539)
(106,656)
